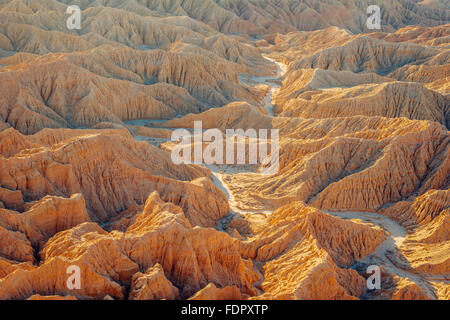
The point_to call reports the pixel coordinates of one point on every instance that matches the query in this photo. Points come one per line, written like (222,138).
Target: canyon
(88,179)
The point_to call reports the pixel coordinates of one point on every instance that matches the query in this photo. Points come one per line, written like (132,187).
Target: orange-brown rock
(232,116)
(11,199)
(421,212)
(442,290)
(307,252)
(296,45)
(345,241)
(110,179)
(212,256)
(427,219)
(13,142)
(15,245)
(87,182)
(51,279)
(330,66)
(158,84)
(434,77)
(416,102)
(406,290)
(337,163)
(153,285)
(180,20)
(367,54)
(108,261)
(308,273)
(3,125)
(8,266)
(211,292)
(433,36)
(22,232)
(51,298)
(394,287)
(125,218)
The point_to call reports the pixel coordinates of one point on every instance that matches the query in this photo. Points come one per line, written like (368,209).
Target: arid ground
(93,205)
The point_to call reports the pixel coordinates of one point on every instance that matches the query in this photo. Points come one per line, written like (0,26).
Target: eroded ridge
(93,204)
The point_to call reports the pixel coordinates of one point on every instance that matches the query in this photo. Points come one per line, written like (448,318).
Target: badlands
(88,183)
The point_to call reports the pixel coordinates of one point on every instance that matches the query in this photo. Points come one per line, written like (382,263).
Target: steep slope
(433,36)
(337,163)
(393,100)
(307,254)
(109,261)
(368,54)
(427,220)
(110,179)
(87,181)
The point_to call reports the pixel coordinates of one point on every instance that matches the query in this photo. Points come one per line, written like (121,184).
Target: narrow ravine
(380,256)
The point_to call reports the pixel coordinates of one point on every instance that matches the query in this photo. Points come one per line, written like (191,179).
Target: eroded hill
(87,178)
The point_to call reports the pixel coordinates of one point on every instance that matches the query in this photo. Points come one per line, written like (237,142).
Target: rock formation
(92,205)
(129,172)
(393,100)
(51,298)
(152,285)
(326,162)
(427,221)
(211,292)
(111,261)
(31,101)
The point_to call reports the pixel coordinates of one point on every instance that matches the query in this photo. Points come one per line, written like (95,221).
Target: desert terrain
(88,182)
